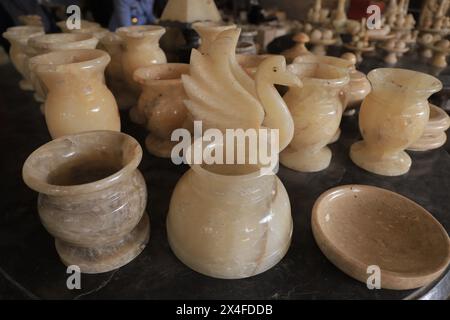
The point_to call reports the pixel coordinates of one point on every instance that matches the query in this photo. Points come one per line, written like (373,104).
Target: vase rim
(200,169)
(393,78)
(341,76)
(330,60)
(138,32)
(38,181)
(59,61)
(162,74)
(52,41)
(22,33)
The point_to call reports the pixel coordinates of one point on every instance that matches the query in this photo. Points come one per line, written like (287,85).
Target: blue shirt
(126,10)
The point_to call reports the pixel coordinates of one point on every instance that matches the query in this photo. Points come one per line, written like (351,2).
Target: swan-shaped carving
(223,96)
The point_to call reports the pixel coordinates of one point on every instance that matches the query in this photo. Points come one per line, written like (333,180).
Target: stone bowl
(358,226)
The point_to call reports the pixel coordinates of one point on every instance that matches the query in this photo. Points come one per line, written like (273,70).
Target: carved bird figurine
(223,96)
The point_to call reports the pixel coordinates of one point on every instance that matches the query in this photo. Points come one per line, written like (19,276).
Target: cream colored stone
(18,37)
(251,62)
(317,111)
(161,105)
(434,135)
(115,80)
(208,32)
(229,221)
(84,24)
(223,96)
(358,87)
(359,226)
(92,198)
(392,117)
(191,11)
(78,99)
(141,49)
(217,222)
(54,42)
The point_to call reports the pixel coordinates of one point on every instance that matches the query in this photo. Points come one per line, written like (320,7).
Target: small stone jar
(92,198)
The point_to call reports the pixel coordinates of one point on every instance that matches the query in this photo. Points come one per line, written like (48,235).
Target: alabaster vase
(18,37)
(317,111)
(54,42)
(161,105)
(392,117)
(78,99)
(113,44)
(208,32)
(358,87)
(229,221)
(141,49)
(92,198)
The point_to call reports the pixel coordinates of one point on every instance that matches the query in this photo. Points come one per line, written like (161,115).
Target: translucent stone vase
(18,37)
(54,42)
(78,99)
(92,198)
(141,49)
(161,105)
(208,32)
(358,87)
(392,117)
(229,221)
(317,111)
(113,44)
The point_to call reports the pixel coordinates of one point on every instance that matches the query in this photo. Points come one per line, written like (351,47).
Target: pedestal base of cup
(108,257)
(429,142)
(25,85)
(159,147)
(393,165)
(306,160)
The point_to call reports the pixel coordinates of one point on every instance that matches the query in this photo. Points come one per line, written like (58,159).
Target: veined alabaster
(161,105)
(78,99)
(208,32)
(92,198)
(141,49)
(251,62)
(358,87)
(218,89)
(114,44)
(392,117)
(434,135)
(18,37)
(229,221)
(317,111)
(54,42)
(232,221)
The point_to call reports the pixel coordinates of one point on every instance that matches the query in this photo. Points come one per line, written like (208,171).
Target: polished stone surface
(30,267)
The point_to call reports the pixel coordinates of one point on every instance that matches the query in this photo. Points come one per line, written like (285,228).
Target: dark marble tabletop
(30,268)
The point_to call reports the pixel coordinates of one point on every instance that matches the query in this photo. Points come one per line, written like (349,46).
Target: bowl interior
(81,159)
(377,227)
